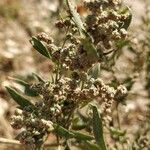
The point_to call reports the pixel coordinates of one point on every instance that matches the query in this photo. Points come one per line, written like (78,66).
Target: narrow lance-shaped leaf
(94,72)
(38,77)
(19,81)
(27,89)
(61,131)
(81,136)
(18,98)
(85,37)
(91,146)
(117,132)
(76,16)
(98,128)
(38,45)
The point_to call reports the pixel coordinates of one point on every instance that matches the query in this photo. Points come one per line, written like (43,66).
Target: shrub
(75,103)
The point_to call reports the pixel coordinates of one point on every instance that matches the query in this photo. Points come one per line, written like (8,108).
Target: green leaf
(38,77)
(91,146)
(38,45)
(117,132)
(128,20)
(128,82)
(62,131)
(94,72)
(90,48)
(78,124)
(81,136)
(19,99)
(98,128)
(122,43)
(27,88)
(86,38)
(52,78)
(76,16)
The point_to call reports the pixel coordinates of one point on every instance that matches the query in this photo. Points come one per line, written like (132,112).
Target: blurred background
(21,19)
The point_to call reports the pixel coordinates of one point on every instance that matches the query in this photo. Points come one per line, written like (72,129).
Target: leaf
(98,128)
(117,132)
(38,45)
(81,136)
(19,99)
(91,146)
(94,72)
(90,48)
(78,124)
(27,88)
(52,78)
(122,43)
(83,117)
(128,20)
(128,82)
(86,38)
(62,131)
(76,16)
(38,77)
(18,136)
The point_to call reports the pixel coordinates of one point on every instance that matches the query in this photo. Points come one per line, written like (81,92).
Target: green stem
(67,30)
(57,72)
(68,121)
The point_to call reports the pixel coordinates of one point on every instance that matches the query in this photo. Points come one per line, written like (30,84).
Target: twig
(16,142)
(9,141)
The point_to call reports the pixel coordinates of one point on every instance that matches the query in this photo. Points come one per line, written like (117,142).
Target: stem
(67,30)
(119,124)
(118,118)
(16,142)
(69,117)
(59,66)
(57,72)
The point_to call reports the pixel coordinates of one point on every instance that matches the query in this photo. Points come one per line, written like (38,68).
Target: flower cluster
(72,57)
(105,23)
(35,128)
(58,101)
